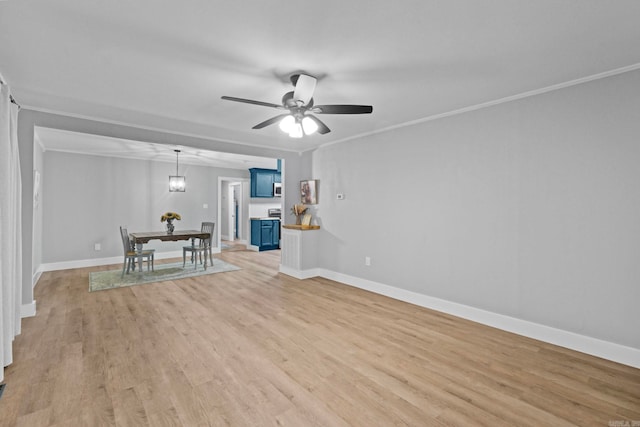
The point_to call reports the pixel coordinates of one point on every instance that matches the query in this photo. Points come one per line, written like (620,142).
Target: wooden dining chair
(131,255)
(203,247)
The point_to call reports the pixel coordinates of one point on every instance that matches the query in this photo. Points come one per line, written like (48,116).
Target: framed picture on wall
(309,192)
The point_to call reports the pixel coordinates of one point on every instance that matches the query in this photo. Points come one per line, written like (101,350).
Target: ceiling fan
(299,121)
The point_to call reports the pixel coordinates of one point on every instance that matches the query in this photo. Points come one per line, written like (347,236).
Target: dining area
(199,248)
(132,194)
(139,262)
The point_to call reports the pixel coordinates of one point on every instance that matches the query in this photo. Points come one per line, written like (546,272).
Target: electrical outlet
(340,196)
(205,206)
(97,247)
(367,261)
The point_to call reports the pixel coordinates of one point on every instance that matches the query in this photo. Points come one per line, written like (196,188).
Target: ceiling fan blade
(322,128)
(270,121)
(342,109)
(305,86)
(251,101)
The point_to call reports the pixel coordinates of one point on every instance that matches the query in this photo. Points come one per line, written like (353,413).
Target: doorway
(233,208)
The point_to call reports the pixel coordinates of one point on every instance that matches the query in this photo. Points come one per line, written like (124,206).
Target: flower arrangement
(299,210)
(170,216)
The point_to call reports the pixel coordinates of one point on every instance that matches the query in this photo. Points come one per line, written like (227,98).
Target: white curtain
(10,228)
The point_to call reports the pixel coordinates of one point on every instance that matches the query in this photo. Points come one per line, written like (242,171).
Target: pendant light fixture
(177,182)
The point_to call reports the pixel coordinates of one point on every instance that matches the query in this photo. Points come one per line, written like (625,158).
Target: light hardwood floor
(258,348)
(233,245)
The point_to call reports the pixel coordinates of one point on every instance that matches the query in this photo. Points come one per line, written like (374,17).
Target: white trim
(300,274)
(487,104)
(37,139)
(28,310)
(64,265)
(35,278)
(607,350)
(94,262)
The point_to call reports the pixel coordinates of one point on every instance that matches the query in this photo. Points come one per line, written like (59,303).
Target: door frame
(235,188)
(243,223)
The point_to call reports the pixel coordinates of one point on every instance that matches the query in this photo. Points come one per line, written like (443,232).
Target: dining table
(139,238)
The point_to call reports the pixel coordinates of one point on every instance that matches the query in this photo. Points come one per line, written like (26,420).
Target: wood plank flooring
(258,348)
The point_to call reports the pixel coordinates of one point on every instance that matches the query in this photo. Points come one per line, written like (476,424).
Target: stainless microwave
(277,189)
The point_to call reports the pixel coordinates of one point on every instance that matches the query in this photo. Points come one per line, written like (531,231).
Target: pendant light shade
(287,123)
(177,183)
(308,125)
(296,130)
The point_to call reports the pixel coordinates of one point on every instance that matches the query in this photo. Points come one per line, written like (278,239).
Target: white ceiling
(165,64)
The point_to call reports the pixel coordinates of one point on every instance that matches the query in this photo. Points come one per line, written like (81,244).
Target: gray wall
(87,198)
(529,209)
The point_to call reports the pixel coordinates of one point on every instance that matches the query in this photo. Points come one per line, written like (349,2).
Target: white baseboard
(82,263)
(94,262)
(607,350)
(300,274)
(28,310)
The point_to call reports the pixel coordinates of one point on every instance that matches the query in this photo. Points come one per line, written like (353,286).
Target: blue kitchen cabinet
(262,181)
(265,233)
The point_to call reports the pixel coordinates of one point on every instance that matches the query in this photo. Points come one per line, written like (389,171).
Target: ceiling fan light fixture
(309,125)
(296,123)
(287,123)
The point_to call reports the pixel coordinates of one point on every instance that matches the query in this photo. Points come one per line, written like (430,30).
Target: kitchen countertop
(263,218)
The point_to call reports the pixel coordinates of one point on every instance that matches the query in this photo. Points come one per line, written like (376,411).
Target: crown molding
(488,104)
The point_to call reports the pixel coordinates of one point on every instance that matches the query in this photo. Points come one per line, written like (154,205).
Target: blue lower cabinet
(265,234)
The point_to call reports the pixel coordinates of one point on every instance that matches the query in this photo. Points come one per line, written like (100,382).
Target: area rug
(101,280)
